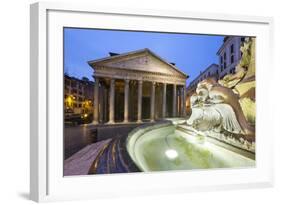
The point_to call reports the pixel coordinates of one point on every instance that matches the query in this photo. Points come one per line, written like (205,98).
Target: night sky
(190,53)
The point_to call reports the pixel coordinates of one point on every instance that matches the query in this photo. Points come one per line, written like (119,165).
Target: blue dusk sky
(191,53)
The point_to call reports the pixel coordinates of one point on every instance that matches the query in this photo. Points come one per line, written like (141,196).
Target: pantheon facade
(137,86)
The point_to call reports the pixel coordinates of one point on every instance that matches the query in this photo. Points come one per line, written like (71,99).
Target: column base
(139,121)
(95,122)
(125,121)
(110,122)
(152,120)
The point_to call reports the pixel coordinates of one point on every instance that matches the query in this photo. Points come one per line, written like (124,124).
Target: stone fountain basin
(163,147)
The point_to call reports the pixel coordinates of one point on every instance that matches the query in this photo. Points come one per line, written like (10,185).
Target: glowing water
(165,148)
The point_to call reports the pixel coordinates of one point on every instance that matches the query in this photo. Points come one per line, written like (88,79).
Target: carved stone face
(202,93)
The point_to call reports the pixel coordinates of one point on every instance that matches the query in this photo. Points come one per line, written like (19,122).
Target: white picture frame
(46,180)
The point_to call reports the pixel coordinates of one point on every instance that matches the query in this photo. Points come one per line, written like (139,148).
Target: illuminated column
(96,101)
(139,100)
(184,100)
(180,101)
(111,101)
(152,102)
(101,102)
(105,104)
(126,100)
(174,100)
(164,100)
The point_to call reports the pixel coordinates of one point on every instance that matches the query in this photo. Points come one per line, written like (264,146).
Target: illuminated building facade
(78,95)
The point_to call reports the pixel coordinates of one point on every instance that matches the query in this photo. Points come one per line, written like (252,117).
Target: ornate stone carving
(245,66)
(226,109)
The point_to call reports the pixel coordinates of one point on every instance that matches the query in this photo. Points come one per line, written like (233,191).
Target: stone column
(105,104)
(111,101)
(101,102)
(180,102)
(96,101)
(184,100)
(174,100)
(152,102)
(164,100)
(139,100)
(126,101)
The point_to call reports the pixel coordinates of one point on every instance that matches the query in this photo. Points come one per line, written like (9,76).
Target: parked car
(73,119)
(87,118)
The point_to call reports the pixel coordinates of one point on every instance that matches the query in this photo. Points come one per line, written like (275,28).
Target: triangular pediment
(143,60)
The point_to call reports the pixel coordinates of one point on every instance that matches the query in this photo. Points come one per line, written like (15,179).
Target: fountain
(225,110)
(220,133)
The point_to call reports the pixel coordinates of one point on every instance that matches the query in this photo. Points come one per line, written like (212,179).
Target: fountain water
(219,133)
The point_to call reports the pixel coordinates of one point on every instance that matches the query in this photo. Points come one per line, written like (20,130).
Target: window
(224,60)
(221,63)
(73,84)
(232,71)
(232,59)
(232,49)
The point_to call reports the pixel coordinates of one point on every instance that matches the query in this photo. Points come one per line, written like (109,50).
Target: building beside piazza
(137,86)
(77,94)
(211,71)
(229,54)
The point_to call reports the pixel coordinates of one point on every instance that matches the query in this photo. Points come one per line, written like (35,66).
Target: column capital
(127,80)
(140,81)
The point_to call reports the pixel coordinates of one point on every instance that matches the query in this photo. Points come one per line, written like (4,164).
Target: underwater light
(171,154)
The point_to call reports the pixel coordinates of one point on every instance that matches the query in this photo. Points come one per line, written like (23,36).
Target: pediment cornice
(138,61)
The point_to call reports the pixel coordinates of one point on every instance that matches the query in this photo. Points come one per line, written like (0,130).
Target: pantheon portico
(137,86)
